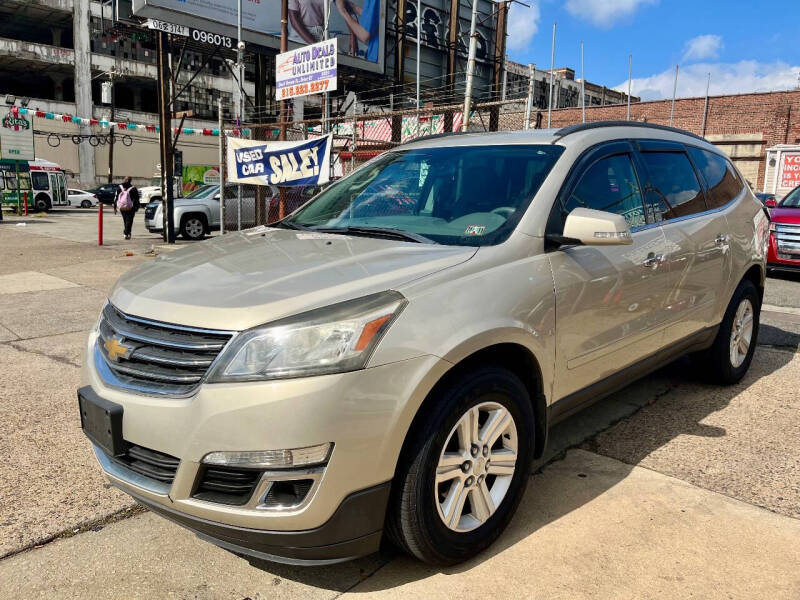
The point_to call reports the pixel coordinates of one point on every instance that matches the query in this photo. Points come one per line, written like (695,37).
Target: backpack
(124,201)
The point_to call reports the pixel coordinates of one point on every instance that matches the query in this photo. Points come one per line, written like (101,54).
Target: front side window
(611,185)
(469,196)
(39,180)
(723,184)
(674,190)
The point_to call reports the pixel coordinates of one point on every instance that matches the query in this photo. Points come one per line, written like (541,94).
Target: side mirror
(596,228)
(216,196)
(771,203)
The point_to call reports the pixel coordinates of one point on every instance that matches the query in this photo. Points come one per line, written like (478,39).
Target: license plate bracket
(101,421)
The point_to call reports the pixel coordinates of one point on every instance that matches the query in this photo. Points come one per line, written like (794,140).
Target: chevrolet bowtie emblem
(116,349)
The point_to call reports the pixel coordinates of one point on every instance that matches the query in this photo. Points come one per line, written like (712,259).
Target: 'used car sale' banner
(279,163)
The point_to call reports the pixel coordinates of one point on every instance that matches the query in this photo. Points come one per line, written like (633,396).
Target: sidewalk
(588,527)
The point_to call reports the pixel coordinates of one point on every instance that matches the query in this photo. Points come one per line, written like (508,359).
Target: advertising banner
(790,170)
(16,137)
(307,70)
(357,25)
(279,163)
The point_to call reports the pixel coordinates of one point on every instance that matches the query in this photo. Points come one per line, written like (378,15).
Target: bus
(41,182)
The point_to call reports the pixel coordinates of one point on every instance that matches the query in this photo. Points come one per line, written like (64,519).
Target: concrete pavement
(665,444)
(589,527)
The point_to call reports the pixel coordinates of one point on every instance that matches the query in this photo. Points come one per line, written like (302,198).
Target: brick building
(743,125)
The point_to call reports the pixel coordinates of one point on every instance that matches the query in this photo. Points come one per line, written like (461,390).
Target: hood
(241,280)
(785,215)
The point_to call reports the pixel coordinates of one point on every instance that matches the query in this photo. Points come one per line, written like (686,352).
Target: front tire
(729,358)
(193,227)
(464,469)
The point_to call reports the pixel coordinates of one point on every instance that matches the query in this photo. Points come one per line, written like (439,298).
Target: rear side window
(673,190)
(722,181)
(610,184)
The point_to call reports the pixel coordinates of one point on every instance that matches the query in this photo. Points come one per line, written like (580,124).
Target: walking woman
(127,202)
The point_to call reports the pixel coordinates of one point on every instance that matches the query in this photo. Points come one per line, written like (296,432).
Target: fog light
(271,459)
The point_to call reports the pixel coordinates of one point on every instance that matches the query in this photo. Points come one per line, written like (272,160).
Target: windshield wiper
(292,225)
(382,232)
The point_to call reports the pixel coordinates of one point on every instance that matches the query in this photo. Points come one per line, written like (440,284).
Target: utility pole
(473,46)
(284,48)
(529,102)
(630,72)
(674,93)
(165,124)
(419,57)
(552,68)
(111,134)
(325,98)
(583,87)
(221,168)
(240,108)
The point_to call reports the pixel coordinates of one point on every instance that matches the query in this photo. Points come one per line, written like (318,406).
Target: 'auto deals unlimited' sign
(279,163)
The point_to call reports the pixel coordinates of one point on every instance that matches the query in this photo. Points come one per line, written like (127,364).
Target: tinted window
(674,190)
(470,195)
(39,180)
(610,184)
(723,184)
(792,199)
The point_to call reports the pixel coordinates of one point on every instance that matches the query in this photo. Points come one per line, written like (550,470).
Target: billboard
(16,137)
(307,70)
(790,170)
(357,25)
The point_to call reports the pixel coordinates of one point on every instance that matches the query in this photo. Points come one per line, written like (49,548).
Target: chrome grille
(788,237)
(155,357)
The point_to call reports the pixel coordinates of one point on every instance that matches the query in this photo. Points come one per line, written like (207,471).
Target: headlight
(334,339)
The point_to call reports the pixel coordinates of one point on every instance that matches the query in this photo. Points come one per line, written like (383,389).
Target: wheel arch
(757,275)
(513,356)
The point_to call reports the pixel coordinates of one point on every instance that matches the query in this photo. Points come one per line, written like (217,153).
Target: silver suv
(388,360)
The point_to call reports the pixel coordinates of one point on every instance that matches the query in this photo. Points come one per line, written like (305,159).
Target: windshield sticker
(475,230)
(318,236)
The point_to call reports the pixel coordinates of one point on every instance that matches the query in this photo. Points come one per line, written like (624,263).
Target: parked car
(82,198)
(767,199)
(106,193)
(366,369)
(198,214)
(784,234)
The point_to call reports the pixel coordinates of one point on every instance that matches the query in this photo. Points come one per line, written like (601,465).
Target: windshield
(469,196)
(792,199)
(203,192)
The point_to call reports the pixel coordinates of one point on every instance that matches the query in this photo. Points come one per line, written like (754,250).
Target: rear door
(697,256)
(609,299)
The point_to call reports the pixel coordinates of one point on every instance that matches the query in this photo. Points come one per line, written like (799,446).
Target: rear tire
(448,501)
(728,359)
(86,204)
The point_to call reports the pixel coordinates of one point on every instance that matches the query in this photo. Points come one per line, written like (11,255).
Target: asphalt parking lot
(669,488)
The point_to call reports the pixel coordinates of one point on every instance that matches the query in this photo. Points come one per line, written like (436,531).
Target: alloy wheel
(476,466)
(195,228)
(741,333)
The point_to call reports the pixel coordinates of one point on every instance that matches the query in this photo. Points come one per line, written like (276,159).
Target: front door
(609,299)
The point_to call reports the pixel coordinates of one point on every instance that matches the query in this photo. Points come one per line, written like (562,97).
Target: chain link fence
(742,130)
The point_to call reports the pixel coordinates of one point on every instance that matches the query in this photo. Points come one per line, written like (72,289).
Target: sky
(746,45)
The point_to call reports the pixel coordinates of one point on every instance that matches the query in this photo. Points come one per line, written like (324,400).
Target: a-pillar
(83,87)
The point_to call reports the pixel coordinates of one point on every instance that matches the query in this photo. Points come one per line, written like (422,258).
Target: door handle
(721,240)
(652,261)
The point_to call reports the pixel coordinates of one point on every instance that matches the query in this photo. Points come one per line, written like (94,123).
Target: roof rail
(564,131)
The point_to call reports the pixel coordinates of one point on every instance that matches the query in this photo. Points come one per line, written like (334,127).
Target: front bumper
(365,414)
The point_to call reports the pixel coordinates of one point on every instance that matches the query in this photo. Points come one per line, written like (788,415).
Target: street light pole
(419,58)
(552,68)
(473,46)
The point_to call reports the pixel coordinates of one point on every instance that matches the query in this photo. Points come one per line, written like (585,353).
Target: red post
(100,224)
(25,200)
